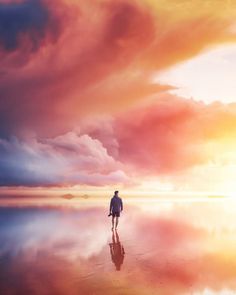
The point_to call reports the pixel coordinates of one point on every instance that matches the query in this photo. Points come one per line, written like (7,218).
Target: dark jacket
(116,204)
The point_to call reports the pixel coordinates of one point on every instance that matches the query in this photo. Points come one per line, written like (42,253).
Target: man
(116,206)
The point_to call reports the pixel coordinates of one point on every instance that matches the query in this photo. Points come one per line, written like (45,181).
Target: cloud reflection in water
(73,251)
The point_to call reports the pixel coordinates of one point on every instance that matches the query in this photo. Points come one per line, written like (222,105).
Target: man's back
(116,204)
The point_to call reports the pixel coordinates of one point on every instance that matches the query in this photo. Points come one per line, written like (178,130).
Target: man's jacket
(116,204)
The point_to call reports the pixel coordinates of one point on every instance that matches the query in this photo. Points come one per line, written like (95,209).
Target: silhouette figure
(117,251)
(116,206)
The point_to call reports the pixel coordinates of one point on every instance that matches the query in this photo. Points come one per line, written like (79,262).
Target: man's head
(116,193)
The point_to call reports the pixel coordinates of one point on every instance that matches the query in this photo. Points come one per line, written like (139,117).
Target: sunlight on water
(159,248)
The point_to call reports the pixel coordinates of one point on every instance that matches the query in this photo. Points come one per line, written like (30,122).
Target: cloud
(28,20)
(100,58)
(175,134)
(67,61)
(69,159)
(175,140)
(172,139)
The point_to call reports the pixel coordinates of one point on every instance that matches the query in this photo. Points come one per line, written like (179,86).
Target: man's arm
(121,205)
(110,206)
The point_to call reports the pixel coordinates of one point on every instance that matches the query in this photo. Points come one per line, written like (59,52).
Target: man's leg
(117,221)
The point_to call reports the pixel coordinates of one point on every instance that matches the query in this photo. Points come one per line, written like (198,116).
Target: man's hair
(116,192)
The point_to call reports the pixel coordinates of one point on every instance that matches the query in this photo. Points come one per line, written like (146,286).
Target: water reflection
(117,250)
(177,249)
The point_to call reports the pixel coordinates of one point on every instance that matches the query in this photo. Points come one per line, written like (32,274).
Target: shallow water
(186,247)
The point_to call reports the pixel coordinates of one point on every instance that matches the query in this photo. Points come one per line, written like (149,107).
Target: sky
(123,94)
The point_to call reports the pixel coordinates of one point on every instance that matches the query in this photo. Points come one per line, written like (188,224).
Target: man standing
(116,206)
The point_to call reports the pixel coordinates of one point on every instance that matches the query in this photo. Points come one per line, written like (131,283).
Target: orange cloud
(170,136)
(101,59)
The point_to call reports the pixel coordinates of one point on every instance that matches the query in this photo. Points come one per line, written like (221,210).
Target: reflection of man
(116,206)
(117,251)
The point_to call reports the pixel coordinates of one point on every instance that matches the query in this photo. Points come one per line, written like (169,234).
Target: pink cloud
(168,136)
(65,160)
(91,57)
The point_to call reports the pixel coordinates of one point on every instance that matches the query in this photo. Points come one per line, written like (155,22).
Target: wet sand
(171,247)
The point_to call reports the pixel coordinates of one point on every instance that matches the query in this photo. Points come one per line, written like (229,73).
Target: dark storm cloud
(29,18)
